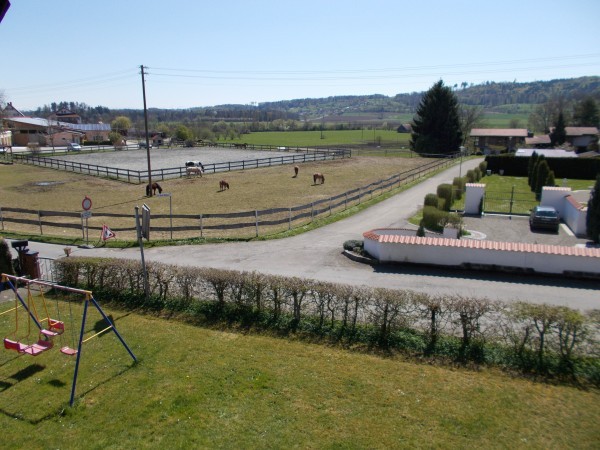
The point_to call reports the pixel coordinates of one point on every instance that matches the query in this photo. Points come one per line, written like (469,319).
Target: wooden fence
(209,225)
(296,155)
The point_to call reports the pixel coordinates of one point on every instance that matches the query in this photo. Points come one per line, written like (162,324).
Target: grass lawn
(29,187)
(197,387)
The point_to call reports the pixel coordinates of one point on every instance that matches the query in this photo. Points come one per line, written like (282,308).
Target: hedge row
(539,339)
(570,168)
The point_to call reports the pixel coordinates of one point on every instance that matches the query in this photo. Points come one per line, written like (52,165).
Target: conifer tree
(436,125)
(592,220)
(559,134)
(530,166)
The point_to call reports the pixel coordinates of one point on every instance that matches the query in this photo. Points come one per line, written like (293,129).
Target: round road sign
(86,204)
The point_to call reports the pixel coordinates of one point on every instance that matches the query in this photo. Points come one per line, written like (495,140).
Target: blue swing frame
(88,298)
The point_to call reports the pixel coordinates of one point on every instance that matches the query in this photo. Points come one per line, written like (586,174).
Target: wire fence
(252,223)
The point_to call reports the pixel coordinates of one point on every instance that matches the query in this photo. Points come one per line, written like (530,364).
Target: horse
(240,145)
(318,177)
(154,187)
(296,169)
(194,164)
(193,170)
(223,185)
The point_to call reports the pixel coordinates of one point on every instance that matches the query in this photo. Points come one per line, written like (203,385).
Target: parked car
(143,145)
(73,146)
(544,217)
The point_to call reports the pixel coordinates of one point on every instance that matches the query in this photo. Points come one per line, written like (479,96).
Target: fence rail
(212,225)
(297,155)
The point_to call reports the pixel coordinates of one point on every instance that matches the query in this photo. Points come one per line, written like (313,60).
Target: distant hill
(491,95)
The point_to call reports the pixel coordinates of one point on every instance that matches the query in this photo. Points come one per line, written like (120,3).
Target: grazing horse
(194,164)
(193,170)
(296,169)
(223,185)
(154,187)
(318,177)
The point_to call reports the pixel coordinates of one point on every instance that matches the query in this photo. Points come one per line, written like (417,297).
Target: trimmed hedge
(544,340)
(575,168)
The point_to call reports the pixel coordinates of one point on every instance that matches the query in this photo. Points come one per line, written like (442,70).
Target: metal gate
(509,202)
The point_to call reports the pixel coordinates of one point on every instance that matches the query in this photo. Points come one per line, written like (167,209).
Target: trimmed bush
(433,218)
(470,176)
(444,192)
(432,200)
(547,340)
(458,187)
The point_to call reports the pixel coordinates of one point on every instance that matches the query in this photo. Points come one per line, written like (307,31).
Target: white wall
(457,252)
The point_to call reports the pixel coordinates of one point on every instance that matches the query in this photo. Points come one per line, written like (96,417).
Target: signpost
(140,230)
(86,204)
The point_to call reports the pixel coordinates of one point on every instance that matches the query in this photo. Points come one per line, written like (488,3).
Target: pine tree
(534,173)
(532,162)
(550,179)
(592,219)
(436,125)
(586,114)
(542,174)
(559,134)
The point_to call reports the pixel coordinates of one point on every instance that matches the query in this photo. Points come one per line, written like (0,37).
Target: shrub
(471,176)
(444,192)
(432,200)
(433,218)
(483,166)
(477,172)
(353,245)
(459,187)
(5,258)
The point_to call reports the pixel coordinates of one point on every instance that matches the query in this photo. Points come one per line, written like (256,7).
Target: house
(507,138)
(547,152)
(581,137)
(404,128)
(66,115)
(538,141)
(34,130)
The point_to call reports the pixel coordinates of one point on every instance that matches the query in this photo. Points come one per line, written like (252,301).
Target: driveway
(317,254)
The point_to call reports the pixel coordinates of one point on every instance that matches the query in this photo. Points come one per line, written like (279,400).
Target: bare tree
(470,117)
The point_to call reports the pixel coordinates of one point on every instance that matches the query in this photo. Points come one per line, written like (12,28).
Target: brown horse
(318,177)
(223,185)
(296,169)
(154,187)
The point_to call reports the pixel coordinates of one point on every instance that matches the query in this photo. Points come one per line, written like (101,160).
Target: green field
(198,387)
(329,138)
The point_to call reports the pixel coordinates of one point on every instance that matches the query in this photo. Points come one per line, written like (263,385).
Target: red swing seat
(56,326)
(39,347)
(68,351)
(9,344)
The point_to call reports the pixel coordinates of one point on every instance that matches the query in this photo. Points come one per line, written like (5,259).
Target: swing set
(47,328)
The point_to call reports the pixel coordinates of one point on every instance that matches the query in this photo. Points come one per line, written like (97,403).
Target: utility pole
(146,131)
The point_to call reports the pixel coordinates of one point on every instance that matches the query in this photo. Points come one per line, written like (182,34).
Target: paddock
(132,165)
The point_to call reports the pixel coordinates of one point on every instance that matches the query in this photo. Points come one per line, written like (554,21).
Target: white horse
(193,171)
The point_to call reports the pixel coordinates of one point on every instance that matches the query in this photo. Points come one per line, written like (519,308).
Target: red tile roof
(380,236)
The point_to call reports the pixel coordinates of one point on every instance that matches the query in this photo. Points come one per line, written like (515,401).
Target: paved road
(318,255)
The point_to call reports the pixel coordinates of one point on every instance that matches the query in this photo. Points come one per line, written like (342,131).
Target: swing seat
(49,333)
(68,351)
(9,344)
(56,326)
(39,347)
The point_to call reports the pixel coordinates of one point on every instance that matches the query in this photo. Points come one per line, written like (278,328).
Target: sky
(205,53)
